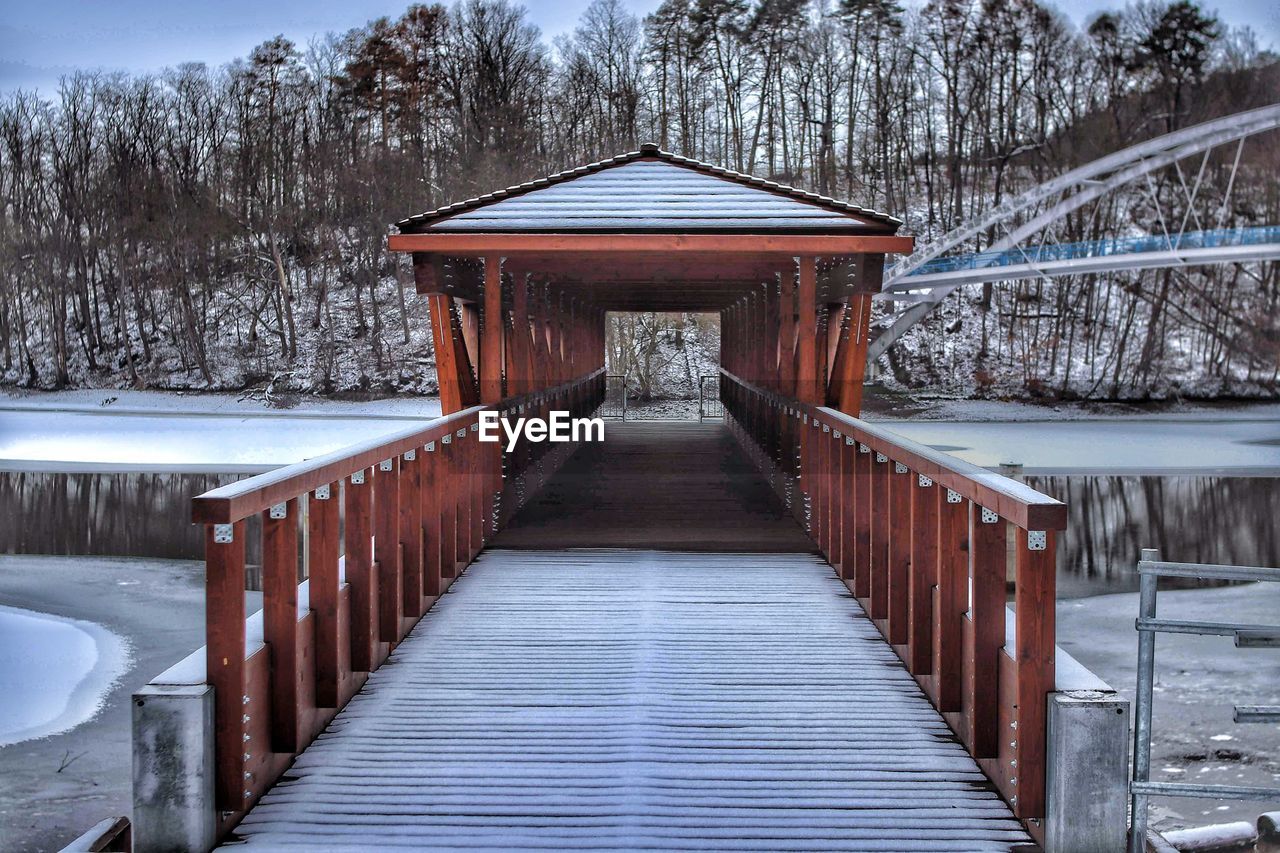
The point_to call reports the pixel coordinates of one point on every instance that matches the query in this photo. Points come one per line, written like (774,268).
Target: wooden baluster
(357,547)
(1034,652)
(430,514)
(924,573)
(848,509)
(953,596)
(864,483)
(986,611)
(447,485)
(386,547)
(322,549)
(410,532)
(224,658)
(880,499)
(899,551)
(280,620)
(462,498)
(831,503)
(479,492)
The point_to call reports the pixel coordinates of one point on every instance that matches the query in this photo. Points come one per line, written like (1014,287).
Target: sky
(41,40)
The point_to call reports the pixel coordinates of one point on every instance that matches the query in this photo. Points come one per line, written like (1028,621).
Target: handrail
(1015,501)
(243,498)
(384,526)
(928,543)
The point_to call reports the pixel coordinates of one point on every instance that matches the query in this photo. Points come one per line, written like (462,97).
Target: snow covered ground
(158,431)
(54,672)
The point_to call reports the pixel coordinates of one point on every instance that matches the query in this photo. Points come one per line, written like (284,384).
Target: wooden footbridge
(788,631)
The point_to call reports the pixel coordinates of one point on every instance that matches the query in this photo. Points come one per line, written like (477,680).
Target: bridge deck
(602,699)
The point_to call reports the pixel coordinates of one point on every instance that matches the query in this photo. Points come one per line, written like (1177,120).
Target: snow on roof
(650,190)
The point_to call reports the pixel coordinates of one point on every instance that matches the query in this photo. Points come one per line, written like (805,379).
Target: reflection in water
(1190,519)
(1229,520)
(126,515)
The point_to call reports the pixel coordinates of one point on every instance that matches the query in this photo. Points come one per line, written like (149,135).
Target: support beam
(808,389)
(492,333)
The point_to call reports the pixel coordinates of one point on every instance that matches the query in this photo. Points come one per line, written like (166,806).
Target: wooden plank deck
(665,485)
(634,700)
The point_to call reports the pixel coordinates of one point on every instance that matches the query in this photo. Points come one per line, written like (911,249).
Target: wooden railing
(380,530)
(928,543)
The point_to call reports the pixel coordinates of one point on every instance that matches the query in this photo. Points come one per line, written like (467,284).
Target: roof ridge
(647,150)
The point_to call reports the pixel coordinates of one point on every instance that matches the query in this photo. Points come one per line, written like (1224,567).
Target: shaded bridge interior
(646,683)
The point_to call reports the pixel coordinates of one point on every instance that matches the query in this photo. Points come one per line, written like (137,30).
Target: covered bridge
(791,630)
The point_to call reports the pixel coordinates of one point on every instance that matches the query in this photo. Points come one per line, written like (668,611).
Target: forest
(224,228)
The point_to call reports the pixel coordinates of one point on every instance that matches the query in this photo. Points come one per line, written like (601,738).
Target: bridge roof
(656,192)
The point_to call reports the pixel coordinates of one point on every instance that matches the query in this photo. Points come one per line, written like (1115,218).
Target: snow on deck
(614,699)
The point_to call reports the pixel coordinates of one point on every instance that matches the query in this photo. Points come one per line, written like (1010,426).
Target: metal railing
(615,397)
(1102,248)
(709,405)
(1148,624)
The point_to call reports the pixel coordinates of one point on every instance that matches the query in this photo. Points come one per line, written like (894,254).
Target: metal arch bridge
(1030,213)
(1192,248)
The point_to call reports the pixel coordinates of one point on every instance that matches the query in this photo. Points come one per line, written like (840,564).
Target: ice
(54,672)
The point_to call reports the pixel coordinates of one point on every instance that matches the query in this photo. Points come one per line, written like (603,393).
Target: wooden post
(492,333)
(447,485)
(322,547)
(1034,654)
(899,543)
(224,658)
(431,487)
(879,562)
(787,333)
(280,620)
(358,553)
(410,532)
(924,572)
(953,597)
(386,550)
(848,509)
(986,611)
(807,382)
(865,483)
(853,362)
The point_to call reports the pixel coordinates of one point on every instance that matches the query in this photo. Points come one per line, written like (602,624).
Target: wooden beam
(477,245)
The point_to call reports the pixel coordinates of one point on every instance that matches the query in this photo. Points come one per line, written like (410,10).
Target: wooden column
(986,612)
(358,550)
(807,386)
(491,333)
(953,597)
(224,659)
(787,333)
(924,572)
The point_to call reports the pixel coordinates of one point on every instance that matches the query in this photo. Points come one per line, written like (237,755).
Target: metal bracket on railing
(1037,540)
(836,434)
(954,497)
(447,438)
(989,516)
(322,493)
(462,433)
(357,478)
(431,447)
(924,481)
(862,448)
(385,465)
(475,427)
(223,534)
(410,455)
(825,427)
(880,457)
(849,441)
(899,468)
(279,510)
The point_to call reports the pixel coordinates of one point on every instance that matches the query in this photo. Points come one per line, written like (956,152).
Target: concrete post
(1087,780)
(173,802)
